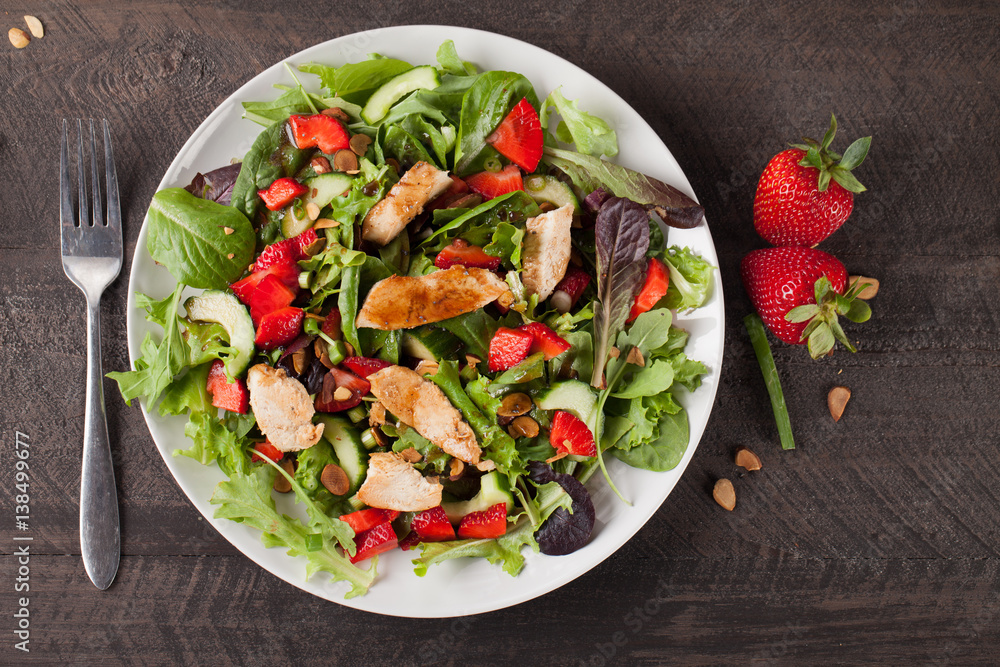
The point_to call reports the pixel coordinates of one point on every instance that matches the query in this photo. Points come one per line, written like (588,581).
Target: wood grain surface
(875,542)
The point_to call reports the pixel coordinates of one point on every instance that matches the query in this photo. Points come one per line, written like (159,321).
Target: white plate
(465,586)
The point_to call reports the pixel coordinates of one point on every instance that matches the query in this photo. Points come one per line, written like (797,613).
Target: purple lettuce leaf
(564,532)
(216,185)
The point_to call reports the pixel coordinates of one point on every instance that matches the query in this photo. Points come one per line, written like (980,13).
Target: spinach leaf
(663,453)
(431,137)
(293,101)
(448,58)
(355,82)
(474,329)
(484,106)
(654,378)
(189,236)
(404,147)
(517,204)
(591,135)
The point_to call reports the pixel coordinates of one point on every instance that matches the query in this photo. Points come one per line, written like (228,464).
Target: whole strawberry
(806,192)
(799,292)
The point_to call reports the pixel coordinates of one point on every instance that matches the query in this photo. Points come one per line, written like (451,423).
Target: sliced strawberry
(268,450)
(493,184)
(232,396)
(365,366)
(519,136)
(569,289)
(433,526)
(508,348)
(410,541)
(286,251)
(469,256)
(654,289)
(374,541)
(271,295)
(279,328)
(331,325)
(334,381)
(287,273)
(484,525)
(367,519)
(458,187)
(546,340)
(326,132)
(281,193)
(569,434)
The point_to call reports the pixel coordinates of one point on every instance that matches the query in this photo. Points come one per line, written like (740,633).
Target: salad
(430,309)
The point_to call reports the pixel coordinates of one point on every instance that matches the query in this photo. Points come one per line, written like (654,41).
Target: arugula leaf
(690,279)
(448,58)
(589,173)
(591,135)
(484,106)
(347,302)
(517,202)
(188,235)
(355,82)
(355,204)
(311,462)
(327,268)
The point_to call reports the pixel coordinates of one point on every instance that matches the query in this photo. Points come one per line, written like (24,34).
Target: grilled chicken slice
(283,409)
(547,246)
(404,302)
(421,404)
(405,201)
(394,484)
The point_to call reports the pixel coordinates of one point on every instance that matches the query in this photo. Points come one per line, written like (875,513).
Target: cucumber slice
(351,453)
(494,489)
(323,189)
(425,77)
(550,189)
(430,343)
(225,309)
(572,396)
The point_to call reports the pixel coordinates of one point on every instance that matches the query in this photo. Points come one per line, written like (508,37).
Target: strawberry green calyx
(824,328)
(833,165)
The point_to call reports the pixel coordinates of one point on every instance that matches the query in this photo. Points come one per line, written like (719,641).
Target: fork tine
(114,206)
(95,182)
(65,189)
(81,173)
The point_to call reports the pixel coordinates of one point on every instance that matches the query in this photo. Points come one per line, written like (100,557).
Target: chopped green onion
(493,165)
(368,439)
(758,337)
(304,279)
(357,413)
(534,183)
(314,542)
(337,352)
(355,503)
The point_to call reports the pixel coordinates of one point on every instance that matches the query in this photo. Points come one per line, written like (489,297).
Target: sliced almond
(836,400)
(35,26)
(725,494)
(486,465)
(342,394)
(360,143)
(471,360)
(312,210)
(334,479)
(320,165)
(560,455)
(410,455)
(337,113)
(381,439)
(18,37)
(456,468)
(523,427)
(745,458)
(228,230)
(314,248)
(325,223)
(635,357)
(870,288)
(281,483)
(427,367)
(614,352)
(230,255)
(345,160)
(515,405)
(299,359)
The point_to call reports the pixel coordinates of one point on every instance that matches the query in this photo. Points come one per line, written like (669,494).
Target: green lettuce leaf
(448,58)
(690,279)
(591,135)
(663,452)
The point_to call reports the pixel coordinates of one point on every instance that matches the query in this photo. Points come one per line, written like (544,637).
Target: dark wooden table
(876,541)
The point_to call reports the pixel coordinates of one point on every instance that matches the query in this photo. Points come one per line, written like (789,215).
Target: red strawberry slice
(519,136)
(508,348)
(367,519)
(484,525)
(470,256)
(271,295)
(410,541)
(281,193)
(546,340)
(365,366)
(326,132)
(336,379)
(654,289)
(287,273)
(375,541)
(491,184)
(279,328)
(331,325)
(268,450)
(569,289)
(233,396)
(569,434)
(287,251)
(433,526)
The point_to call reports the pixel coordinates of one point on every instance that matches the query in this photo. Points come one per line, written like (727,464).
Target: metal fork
(92,258)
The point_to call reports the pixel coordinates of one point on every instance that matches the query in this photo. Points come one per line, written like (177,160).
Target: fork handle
(100,539)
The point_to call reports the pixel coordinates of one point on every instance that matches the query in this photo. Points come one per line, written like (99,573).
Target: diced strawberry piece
(326,132)
(271,295)
(546,340)
(279,328)
(569,289)
(508,348)
(336,379)
(331,325)
(367,519)
(519,136)
(365,366)
(433,526)
(469,256)
(268,450)
(287,273)
(569,434)
(493,184)
(458,187)
(484,525)
(287,251)
(281,193)
(410,541)
(374,541)
(654,289)
(233,396)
